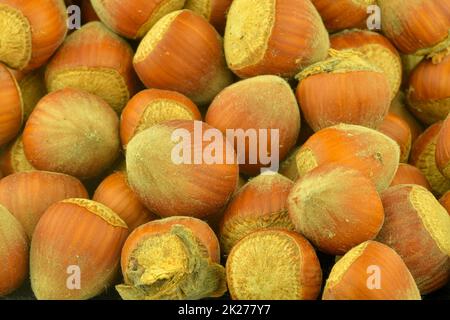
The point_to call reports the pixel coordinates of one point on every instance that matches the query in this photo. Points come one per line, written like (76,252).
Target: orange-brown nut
(79,238)
(443,149)
(13,159)
(260,204)
(172,258)
(336,208)
(345,88)
(343,14)
(409,63)
(73,132)
(182,52)
(11,105)
(416,27)
(96,60)
(429,90)
(417,227)
(133,19)
(371,271)
(31,31)
(28,194)
(153,106)
(115,193)
(408,174)
(369,151)
(423,157)
(398,107)
(273,265)
(215,11)
(273,37)
(398,130)
(13,253)
(174,171)
(263,108)
(375,48)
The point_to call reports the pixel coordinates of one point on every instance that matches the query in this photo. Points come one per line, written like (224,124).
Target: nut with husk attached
(174,258)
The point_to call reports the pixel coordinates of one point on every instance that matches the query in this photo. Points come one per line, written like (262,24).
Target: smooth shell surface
(76,237)
(27,195)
